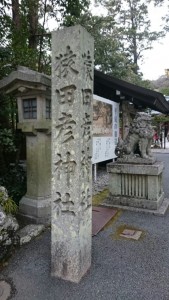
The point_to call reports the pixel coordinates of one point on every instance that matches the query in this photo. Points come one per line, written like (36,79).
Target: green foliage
(14,180)
(161,84)
(109,55)
(72,10)
(136,78)
(161,3)
(25,40)
(24,30)
(133,27)
(7,140)
(157,119)
(164,91)
(9,206)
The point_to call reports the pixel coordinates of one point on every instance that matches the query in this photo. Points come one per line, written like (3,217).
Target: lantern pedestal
(36,204)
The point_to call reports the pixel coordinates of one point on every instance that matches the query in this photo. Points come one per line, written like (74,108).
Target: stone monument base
(134,159)
(35,210)
(157,212)
(136,186)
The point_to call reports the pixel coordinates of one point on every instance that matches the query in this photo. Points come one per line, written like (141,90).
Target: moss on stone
(98,199)
(113,219)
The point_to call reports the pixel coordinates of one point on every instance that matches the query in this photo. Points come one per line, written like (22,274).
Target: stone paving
(122,268)
(161,150)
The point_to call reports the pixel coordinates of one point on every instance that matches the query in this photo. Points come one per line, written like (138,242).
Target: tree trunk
(16,15)
(42,38)
(134,39)
(33,6)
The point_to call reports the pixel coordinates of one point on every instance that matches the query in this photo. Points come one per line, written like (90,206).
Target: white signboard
(105,128)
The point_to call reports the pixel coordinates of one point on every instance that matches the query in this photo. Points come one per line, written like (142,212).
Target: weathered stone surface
(136,202)
(131,234)
(29,232)
(10,223)
(5,290)
(128,110)
(28,84)
(157,212)
(136,185)
(35,205)
(2,216)
(37,211)
(8,227)
(138,140)
(141,169)
(24,74)
(4,193)
(72,91)
(130,159)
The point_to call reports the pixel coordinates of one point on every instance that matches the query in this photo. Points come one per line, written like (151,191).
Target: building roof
(104,85)
(119,90)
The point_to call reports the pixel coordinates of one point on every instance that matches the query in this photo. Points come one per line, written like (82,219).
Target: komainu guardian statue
(139,139)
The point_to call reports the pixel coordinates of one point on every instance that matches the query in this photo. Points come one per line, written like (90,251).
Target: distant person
(161,138)
(168,136)
(156,138)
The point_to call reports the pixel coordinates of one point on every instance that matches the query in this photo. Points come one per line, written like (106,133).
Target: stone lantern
(33,92)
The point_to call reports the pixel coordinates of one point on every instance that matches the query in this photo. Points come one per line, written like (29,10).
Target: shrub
(8,205)
(14,180)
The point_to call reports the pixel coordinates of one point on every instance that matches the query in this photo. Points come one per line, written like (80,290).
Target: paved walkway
(162,150)
(122,269)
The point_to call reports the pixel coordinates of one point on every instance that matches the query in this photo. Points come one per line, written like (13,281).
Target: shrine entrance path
(122,268)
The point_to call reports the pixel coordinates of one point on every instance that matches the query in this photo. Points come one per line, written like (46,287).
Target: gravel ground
(101,182)
(121,269)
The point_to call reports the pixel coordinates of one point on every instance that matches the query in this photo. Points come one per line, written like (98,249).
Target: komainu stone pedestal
(135,185)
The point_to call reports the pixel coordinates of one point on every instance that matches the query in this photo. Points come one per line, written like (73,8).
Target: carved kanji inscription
(66,94)
(85,199)
(58,165)
(67,205)
(87,96)
(88,65)
(85,164)
(57,201)
(66,166)
(65,64)
(69,167)
(65,127)
(87,127)
(64,204)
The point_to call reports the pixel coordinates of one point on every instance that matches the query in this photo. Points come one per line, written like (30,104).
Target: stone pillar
(72,91)
(35,206)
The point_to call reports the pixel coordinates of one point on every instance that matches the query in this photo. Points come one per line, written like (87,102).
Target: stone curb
(27,233)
